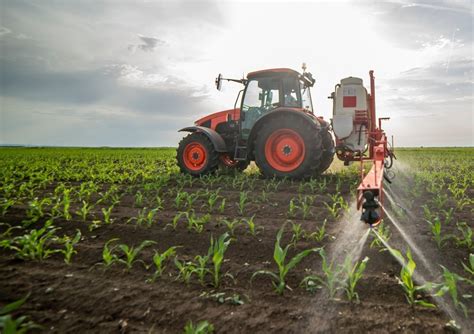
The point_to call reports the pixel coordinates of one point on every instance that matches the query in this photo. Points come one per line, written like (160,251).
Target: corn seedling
(202,327)
(448,215)
(436,231)
(450,284)
(5,204)
(185,270)
(175,221)
(217,250)
(469,268)
(107,212)
(35,244)
(132,252)
(69,244)
(298,232)
(353,273)
(231,225)
(138,198)
(284,267)
(108,256)
(201,269)
(319,234)
(11,325)
(35,208)
(159,203)
(159,260)
(84,210)
(330,279)
(466,238)
(292,208)
(252,227)
(384,232)
(406,279)
(197,223)
(243,196)
(222,206)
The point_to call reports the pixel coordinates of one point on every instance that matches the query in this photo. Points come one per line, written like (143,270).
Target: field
(116,240)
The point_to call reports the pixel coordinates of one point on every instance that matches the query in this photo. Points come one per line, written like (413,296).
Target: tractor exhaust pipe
(370,207)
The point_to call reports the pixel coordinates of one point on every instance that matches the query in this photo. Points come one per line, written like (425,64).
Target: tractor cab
(270,89)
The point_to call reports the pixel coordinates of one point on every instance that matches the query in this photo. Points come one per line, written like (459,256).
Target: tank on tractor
(274,125)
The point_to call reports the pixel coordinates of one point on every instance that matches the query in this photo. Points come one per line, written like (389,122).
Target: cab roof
(272,71)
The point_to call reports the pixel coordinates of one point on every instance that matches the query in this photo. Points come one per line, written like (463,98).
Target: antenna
(303,67)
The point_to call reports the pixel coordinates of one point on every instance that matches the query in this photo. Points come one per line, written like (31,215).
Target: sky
(132,73)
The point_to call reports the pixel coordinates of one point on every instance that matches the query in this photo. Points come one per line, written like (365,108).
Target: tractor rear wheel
(328,151)
(196,155)
(226,163)
(288,147)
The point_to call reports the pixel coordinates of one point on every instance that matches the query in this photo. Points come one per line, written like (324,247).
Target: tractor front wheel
(196,155)
(288,147)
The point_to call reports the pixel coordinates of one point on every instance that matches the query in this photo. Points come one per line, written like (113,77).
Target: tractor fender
(215,138)
(269,116)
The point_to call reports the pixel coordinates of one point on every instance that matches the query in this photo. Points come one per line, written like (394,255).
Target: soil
(85,297)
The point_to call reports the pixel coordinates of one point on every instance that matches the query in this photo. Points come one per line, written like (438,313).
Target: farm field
(117,240)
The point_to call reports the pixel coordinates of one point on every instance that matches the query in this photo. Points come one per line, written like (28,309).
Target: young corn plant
(197,223)
(202,327)
(176,218)
(298,232)
(201,269)
(138,199)
(107,212)
(83,212)
(34,245)
(292,208)
(353,272)
(331,278)
(305,205)
(231,225)
(384,232)
(243,196)
(6,204)
(435,225)
(132,252)
(406,279)
(222,206)
(253,229)
(159,260)
(317,235)
(69,244)
(284,267)
(185,270)
(11,325)
(217,250)
(469,268)
(450,284)
(466,239)
(108,256)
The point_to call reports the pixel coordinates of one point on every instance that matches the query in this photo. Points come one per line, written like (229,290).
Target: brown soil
(83,297)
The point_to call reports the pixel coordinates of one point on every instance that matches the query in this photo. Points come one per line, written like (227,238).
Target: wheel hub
(287,150)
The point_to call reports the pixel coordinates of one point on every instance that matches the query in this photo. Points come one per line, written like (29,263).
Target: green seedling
(84,210)
(231,225)
(469,268)
(185,270)
(19,325)
(201,269)
(243,196)
(5,204)
(317,235)
(450,284)
(406,279)
(330,279)
(292,208)
(384,232)
(176,218)
(132,252)
(202,327)
(222,206)
(435,225)
(138,199)
(252,227)
(108,256)
(284,267)
(217,250)
(69,244)
(298,232)
(107,212)
(35,244)
(159,260)
(466,239)
(353,273)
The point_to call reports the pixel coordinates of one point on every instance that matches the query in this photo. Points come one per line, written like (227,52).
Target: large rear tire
(196,155)
(288,146)
(328,151)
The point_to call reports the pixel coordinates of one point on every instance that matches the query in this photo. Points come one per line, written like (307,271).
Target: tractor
(276,127)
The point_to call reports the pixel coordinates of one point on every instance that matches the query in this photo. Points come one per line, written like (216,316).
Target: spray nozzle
(370,214)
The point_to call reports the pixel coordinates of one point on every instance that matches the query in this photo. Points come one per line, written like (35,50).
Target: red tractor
(274,126)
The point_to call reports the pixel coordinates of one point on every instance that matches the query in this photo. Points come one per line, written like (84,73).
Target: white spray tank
(350,120)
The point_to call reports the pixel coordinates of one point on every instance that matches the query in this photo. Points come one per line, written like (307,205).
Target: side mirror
(219,82)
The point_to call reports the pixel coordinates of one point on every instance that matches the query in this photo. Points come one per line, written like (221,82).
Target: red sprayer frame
(378,151)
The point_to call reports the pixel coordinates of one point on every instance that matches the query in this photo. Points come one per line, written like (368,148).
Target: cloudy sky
(123,73)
